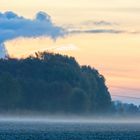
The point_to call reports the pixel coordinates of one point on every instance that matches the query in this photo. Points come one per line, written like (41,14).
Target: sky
(102,33)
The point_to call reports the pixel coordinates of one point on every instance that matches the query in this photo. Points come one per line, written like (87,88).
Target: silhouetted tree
(52,83)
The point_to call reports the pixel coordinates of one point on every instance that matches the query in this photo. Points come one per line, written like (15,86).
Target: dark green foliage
(125,109)
(10,91)
(52,83)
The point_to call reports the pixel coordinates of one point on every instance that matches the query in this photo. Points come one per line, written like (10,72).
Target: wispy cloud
(67,47)
(98,23)
(125,88)
(95,27)
(3,51)
(62,48)
(97,31)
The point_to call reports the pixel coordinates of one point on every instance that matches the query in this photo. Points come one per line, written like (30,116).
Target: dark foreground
(69,131)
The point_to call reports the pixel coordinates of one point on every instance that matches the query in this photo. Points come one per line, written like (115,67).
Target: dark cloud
(13,26)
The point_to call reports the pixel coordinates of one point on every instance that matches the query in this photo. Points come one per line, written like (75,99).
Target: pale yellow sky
(117,56)
(72,3)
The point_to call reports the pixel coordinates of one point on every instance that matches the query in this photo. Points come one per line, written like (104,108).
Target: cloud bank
(13,26)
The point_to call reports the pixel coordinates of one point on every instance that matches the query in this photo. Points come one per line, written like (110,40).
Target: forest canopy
(52,83)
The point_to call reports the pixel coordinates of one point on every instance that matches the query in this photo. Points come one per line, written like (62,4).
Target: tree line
(52,83)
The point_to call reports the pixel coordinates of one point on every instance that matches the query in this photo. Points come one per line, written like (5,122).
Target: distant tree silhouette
(53,83)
